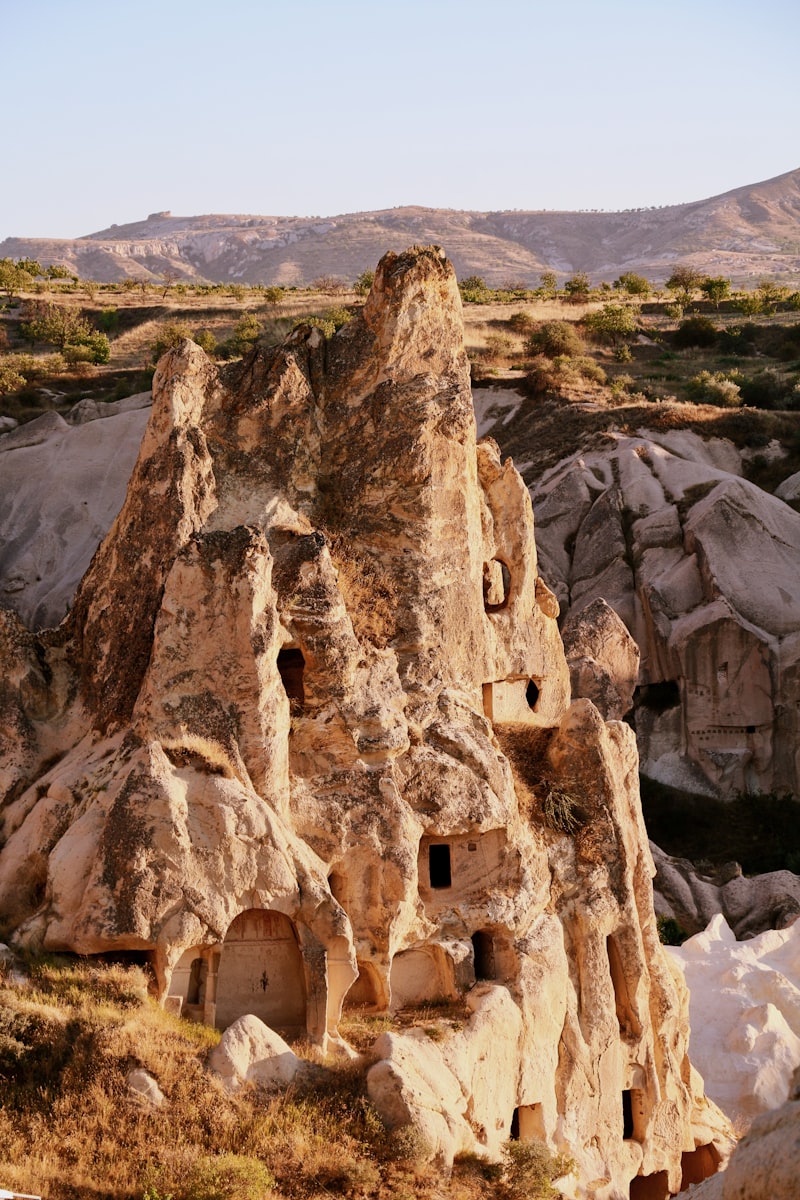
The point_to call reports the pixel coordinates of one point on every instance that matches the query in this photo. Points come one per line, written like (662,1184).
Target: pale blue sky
(116,109)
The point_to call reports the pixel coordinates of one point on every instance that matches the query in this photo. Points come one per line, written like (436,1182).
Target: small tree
(684,282)
(329,285)
(13,278)
(363,283)
(612,324)
(715,288)
(634,285)
(549,282)
(577,286)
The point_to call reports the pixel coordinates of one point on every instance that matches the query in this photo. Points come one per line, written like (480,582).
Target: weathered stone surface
(603,659)
(749,904)
(744,1012)
(48,534)
(250,1052)
(766,1163)
(265,748)
(704,569)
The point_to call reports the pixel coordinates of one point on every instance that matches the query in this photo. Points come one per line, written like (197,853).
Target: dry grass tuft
(369,594)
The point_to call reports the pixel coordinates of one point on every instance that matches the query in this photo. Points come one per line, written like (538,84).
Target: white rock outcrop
(744,1011)
(267,748)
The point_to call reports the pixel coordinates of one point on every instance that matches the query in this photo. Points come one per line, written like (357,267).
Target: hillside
(747,233)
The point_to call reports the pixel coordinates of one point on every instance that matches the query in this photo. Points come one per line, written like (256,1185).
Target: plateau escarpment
(270,750)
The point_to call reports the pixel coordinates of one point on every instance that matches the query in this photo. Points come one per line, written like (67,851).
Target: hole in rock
(527,1124)
(496,585)
(532,694)
(291,666)
(699,1164)
(198,974)
(365,991)
(633,1118)
(750,729)
(439,866)
(483,954)
(650,1187)
(658,697)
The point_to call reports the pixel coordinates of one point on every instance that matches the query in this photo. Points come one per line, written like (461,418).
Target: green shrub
(715,388)
(521,322)
(363,283)
(671,932)
(554,338)
(768,389)
(205,340)
(530,1169)
(228,1177)
(695,331)
(611,324)
(170,336)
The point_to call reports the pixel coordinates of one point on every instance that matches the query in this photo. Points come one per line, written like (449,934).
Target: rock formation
(704,569)
(744,1012)
(750,904)
(766,1163)
(270,750)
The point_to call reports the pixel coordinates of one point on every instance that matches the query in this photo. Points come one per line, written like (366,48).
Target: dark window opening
(513,1133)
(750,729)
(483,955)
(496,585)
(291,666)
(532,694)
(439,866)
(658,697)
(627,1116)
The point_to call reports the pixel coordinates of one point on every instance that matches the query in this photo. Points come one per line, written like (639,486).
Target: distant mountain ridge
(745,234)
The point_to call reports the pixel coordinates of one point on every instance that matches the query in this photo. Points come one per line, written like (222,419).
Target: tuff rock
(704,569)
(265,749)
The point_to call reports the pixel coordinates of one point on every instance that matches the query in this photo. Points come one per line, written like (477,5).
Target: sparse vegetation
(70,1128)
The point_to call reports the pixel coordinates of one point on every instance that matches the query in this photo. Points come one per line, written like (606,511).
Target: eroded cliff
(305,740)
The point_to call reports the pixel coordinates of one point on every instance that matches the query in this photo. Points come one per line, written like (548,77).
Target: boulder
(744,1012)
(250,1052)
(603,659)
(144,1088)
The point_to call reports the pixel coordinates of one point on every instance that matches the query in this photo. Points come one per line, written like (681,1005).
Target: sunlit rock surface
(266,750)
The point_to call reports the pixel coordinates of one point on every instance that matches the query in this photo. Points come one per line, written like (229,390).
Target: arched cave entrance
(261,972)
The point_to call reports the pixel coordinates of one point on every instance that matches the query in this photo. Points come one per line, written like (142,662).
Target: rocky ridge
(265,751)
(747,233)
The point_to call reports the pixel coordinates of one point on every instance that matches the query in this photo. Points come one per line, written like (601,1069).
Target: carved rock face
(264,748)
(704,569)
